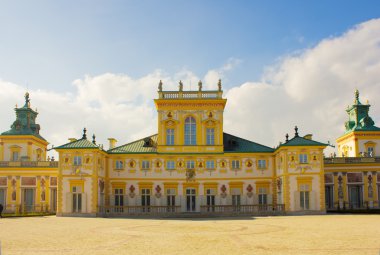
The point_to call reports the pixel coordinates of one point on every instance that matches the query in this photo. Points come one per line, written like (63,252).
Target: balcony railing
(138,210)
(29,164)
(345,206)
(190,94)
(21,210)
(351,160)
(265,209)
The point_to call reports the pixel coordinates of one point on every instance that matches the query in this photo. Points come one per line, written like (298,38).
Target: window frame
(262,164)
(145,164)
(303,158)
(170,136)
(235,164)
(190,131)
(210,136)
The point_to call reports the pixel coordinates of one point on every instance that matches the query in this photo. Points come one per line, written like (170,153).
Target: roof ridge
(248,140)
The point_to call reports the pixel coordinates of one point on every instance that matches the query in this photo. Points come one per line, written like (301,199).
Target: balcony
(351,160)
(190,95)
(39,164)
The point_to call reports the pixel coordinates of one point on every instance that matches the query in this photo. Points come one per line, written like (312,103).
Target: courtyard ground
(323,234)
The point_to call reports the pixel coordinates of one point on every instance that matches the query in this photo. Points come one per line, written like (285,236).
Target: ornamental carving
(190,175)
(223,190)
(132,191)
(249,191)
(158,191)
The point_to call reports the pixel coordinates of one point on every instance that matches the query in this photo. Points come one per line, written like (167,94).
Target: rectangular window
(210,199)
(119,164)
(262,163)
(303,158)
(370,152)
(15,156)
(145,164)
(170,199)
(170,136)
(170,165)
(235,164)
(77,160)
(190,164)
(210,135)
(119,198)
(263,196)
(210,164)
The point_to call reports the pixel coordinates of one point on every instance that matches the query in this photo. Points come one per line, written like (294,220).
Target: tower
(361,136)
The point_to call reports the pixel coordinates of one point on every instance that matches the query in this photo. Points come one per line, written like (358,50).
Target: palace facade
(191,166)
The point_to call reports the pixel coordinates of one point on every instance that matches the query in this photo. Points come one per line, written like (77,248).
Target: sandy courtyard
(328,234)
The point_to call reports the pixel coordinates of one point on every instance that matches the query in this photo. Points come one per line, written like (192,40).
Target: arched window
(190,131)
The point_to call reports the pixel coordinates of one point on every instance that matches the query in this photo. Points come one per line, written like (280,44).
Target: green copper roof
(25,123)
(234,144)
(78,144)
(82,143)
(358,117)
(145,145)
(300,141)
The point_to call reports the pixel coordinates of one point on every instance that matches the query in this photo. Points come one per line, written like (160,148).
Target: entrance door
(355,196)
(145,199)
(28,200)
(210,197)
(77,199)
(2,198)
(53,199)
(329,196)
(190,199)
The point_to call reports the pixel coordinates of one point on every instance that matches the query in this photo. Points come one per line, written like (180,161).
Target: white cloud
(310,89)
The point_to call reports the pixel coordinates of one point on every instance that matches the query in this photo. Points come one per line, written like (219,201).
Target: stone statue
(27,100)
(200,85)
(160,86)
(220,85)
(180,86)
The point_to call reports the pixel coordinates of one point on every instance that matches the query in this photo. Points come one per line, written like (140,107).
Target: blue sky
(49,44)
(96,64)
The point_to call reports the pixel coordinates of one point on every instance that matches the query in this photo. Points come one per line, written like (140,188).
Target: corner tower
(190,121)
(361,136)
(23,141)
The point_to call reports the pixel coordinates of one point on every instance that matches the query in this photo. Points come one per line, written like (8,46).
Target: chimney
(308,137)
(72,140)
(112,143)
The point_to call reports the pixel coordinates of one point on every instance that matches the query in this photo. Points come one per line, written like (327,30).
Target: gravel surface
(322,234)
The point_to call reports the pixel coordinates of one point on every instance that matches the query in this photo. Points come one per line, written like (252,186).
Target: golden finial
(367,102)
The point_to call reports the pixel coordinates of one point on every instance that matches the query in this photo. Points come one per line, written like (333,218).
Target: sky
(97,64)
